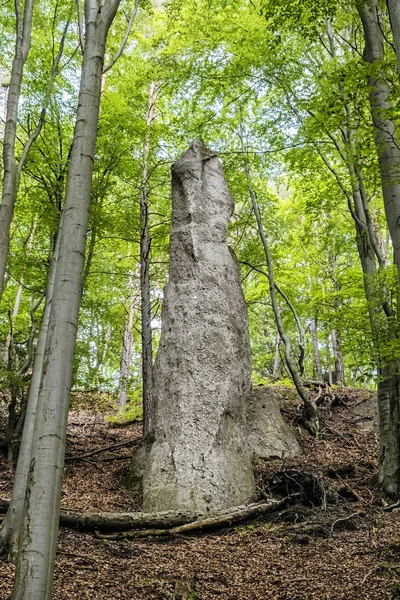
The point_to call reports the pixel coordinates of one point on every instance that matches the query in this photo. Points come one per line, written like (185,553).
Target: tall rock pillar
(199,459)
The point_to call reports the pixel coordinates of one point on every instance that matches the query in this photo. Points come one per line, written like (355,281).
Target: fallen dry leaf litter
(333,542)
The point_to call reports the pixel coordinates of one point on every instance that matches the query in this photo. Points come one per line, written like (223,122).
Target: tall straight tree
(147,339)
(38,542)
(23,26)
(386,140)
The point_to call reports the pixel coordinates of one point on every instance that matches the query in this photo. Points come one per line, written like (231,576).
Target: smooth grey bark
(126,356)
(38,542)
(277,359)
(317,357)
(19,294)
(10,184)
(338,356)
(15,312)
(12,169)
(386,141)
(145,243)
(11,527)
(394,15)
(369,249)
(198,458)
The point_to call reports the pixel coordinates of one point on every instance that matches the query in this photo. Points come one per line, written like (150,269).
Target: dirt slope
(334,543)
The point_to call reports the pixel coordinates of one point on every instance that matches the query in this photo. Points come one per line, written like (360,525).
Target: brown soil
(334,543)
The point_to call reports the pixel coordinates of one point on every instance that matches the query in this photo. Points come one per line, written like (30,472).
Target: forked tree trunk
(38,542)
(147,338)
(10,183)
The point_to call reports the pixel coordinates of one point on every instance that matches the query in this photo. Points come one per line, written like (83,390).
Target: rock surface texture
(199,459)
(268,436)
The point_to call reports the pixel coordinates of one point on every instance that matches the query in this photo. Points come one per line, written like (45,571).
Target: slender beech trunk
(10,183)
(126,357)
(147,338)
(338,356)
(386,142)
(317,358)
(329,361)
(11,527)
(388,153)
(277,359)
(15,312)
(19,294)
(310,415)
(368,243)
(394,15)
(38,542)
(12,169)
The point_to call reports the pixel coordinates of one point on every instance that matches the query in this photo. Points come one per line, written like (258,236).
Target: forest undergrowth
(333,541)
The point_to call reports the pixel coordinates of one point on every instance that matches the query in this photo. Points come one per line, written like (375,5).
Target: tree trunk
(394,15)
(12,524)
(277,359)
(338,355)
(317,358)
(310,415)
(386,142)
(147,338)
(126,352)
(19,294)
(10,179)
(329,361)
(35,565)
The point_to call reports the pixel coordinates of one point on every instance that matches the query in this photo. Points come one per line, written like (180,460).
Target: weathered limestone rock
(199,459)
(268,436)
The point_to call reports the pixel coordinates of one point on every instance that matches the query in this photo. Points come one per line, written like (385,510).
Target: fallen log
(227,519)
(170,522)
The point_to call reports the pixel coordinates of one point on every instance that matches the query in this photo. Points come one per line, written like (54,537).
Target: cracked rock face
(199,459)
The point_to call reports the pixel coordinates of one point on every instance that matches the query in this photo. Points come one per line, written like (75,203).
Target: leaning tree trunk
(38,543)
(310,415)
(12,524)
(10,184)
(147,336)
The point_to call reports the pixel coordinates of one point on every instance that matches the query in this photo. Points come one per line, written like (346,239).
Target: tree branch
(124,40)
(54,72)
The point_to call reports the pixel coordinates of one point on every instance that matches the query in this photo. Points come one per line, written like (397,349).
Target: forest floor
(335,543)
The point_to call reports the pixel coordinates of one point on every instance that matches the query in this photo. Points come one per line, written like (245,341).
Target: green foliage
(131,412)
(264,70)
